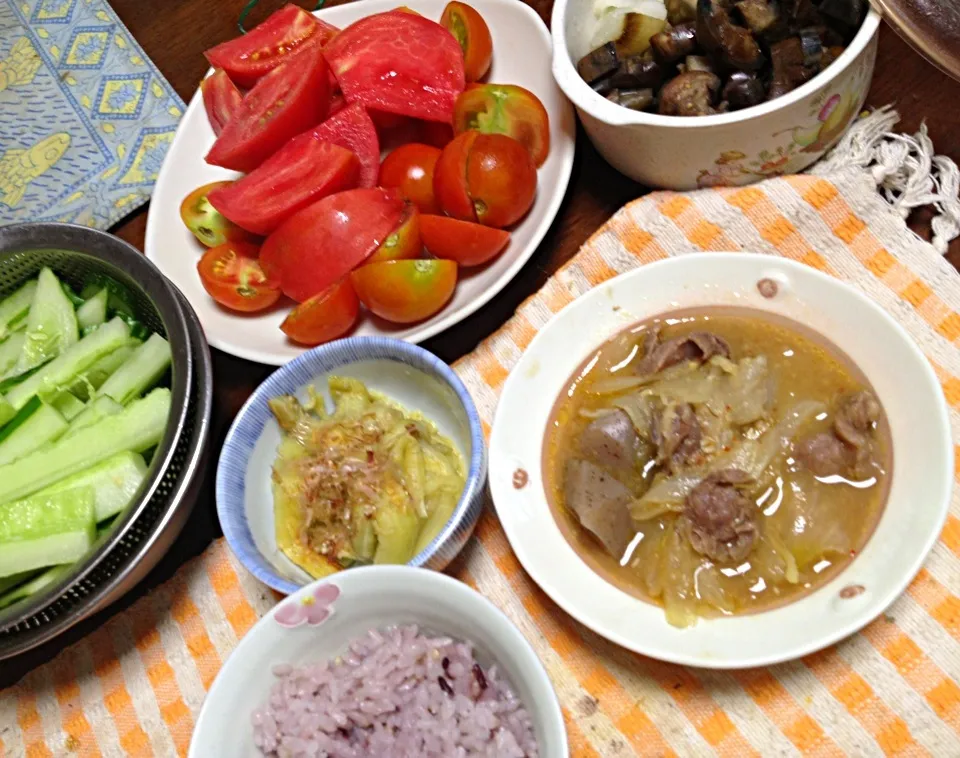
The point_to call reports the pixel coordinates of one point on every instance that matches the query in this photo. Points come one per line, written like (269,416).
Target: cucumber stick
(58,373)
(51,324)
(138,428)
(93,412)
(115,483)
(9,582)
(31,586)
(44,425)
(144,369)
(10,350)
(93,312)
(86,384)
(46,531)
(14,309)
(69,405)
(7,411)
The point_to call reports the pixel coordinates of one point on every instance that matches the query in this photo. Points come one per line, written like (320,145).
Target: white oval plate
(922,476)
(521,55)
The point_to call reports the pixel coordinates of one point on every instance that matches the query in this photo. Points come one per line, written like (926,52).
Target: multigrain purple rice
(395,693)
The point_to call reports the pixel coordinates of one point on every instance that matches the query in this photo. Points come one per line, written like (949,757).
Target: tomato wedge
(221,98)
(399,63)
(298,174)
(405,291)
(353,129)
(284,33)
(410,169)
(290,99)
(473,34)
(462,241)
(403,242)
(505,109)
(232,276)
(325,316)
(208,225)
(322,243)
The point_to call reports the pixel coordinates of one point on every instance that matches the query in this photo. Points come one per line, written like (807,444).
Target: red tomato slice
(208,225)
(403,242)
(322,243)
(405,291)
(337,103)
(400,63)
(471,31)
(410,169)
(352,128)
(231,275)
(221,98)
(325,316)
(288,31)
(462,241)
(298,174)
(505,109)
(290,99)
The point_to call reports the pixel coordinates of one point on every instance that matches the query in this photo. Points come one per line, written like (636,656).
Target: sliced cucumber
(69,405)
(56,376)
(51,324)
(114,483)
(19,418)
(93,412)
(7,412)
(143,370)
(138,428)
(14,309)
(85,385)
(9,582)
(25,589)
(46,531)
(44,425)
(10,350)
(93,312)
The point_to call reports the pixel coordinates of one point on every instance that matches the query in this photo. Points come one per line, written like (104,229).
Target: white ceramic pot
(782,136)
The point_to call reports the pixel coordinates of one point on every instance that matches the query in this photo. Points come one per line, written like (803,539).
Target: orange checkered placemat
(135,686)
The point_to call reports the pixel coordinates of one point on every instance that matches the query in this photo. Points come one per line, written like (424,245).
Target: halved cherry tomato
(450,178)
(221,98)
(231,275)
(298,174)
(405,291)
(505,109)
(285,33)
(410,169)
(352,128)
(404,241)
(290,99)
(399,63)
(471,31)
(325,316)
(208,225)
(466,243)
(322,243)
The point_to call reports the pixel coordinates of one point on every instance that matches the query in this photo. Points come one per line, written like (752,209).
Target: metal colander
(142,533)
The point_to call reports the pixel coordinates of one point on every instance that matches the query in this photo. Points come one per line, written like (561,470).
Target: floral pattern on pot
(312,609)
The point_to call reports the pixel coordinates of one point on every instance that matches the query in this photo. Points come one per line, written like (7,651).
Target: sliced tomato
(298,174)
(232,276)
(325,316)
(283,34)
(466,243)
(505,109)
(383,120)
(405,9)
(450,177)
(404,242)
(405,291)
(337,103)
(436,134)
(410,170)
(208,225)
(399,63)
(352,128)
(322,243)
(221,98)
(501,179)
(473,34)
(290,99)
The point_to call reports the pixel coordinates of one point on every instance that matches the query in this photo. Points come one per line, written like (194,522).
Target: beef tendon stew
(717,462)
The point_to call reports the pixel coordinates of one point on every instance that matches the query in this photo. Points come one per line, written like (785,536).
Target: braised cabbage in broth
(717,461)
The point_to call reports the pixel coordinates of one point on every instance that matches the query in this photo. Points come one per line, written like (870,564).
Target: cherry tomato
(208,225)
(466,243)
(325,316)
(221,98)
(505,109)
(231,275)
(290,99)
(410,169)
(471,31)
(405,291)
(288,31)
(450,178)
(403,242)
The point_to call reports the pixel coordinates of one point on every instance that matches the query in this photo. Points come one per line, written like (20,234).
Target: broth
(717,461)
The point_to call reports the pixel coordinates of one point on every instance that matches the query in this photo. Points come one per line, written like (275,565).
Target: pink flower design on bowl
(312,609)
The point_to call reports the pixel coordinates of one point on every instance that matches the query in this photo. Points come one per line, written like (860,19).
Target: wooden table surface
(174,34)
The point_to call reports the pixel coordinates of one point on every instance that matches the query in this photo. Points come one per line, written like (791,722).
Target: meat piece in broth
(720,519)
(848,448)
(856,418)
(696,346)
(677,435)
(824,454)
(600,503)
(611,441)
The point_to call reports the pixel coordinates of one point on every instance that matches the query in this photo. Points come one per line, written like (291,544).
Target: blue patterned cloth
(85,117)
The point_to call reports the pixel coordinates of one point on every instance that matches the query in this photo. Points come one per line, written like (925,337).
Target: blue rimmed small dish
(405,373)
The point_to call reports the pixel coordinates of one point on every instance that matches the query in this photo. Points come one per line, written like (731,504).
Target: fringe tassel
(907,171)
